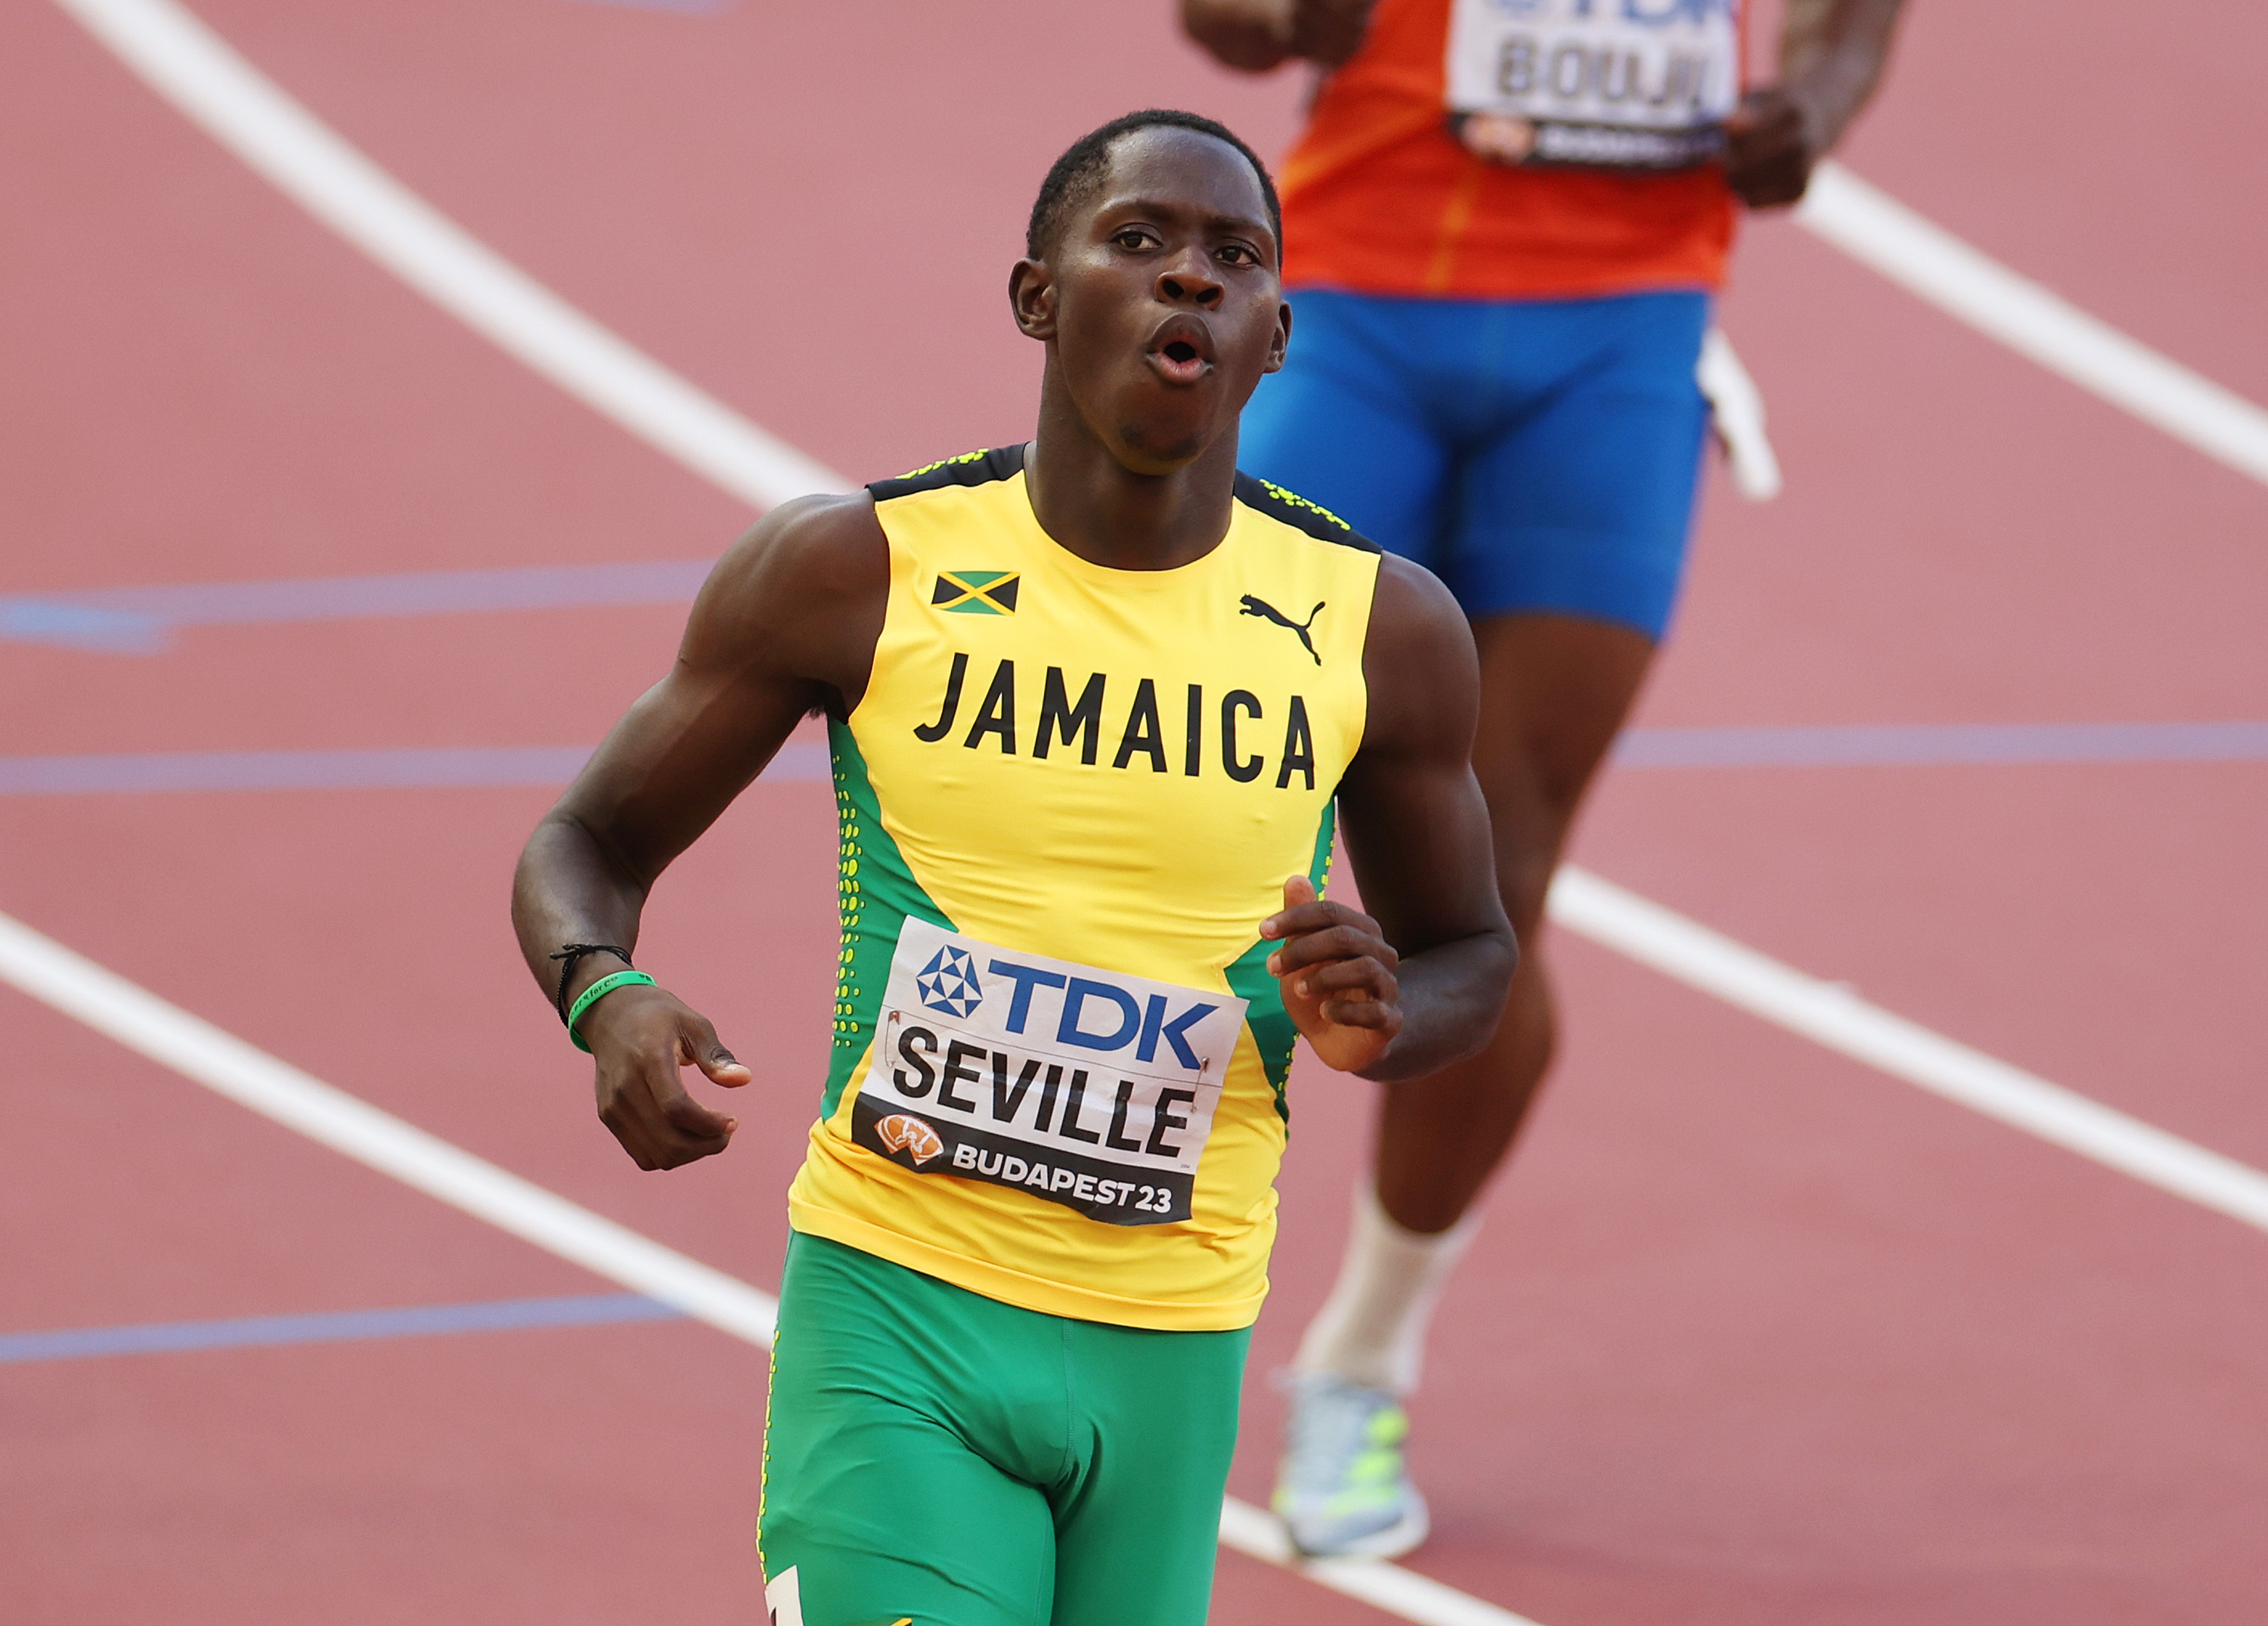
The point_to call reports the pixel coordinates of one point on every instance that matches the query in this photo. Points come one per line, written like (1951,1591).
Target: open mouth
(1182,349)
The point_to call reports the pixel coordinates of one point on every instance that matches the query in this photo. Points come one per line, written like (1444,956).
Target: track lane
(590,1479)
(2183,636)
(221,388)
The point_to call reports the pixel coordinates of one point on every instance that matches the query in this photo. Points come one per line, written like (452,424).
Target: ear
(1031,296)
(1283,339)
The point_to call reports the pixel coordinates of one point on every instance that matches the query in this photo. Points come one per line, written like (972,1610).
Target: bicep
(1417,826)
(786,623)
(1417,833)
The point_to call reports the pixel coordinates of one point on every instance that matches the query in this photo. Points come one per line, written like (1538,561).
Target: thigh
(1581,501)
(877,1507)
(1554,690)
(1137,1525)
(1340,425)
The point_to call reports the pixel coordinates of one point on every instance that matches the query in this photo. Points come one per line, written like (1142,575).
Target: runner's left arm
(1419,980)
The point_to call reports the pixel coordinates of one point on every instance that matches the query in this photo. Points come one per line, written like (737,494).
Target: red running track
(1755,1335)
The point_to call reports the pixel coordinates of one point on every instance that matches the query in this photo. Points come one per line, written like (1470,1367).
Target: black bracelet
(573,954)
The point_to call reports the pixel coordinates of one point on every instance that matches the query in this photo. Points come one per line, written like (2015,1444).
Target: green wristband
(597,991)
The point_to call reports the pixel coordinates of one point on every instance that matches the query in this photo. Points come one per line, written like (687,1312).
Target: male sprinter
(1091,702)
(1504,223)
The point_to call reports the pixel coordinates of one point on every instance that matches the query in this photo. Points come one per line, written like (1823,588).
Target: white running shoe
(1342,1491)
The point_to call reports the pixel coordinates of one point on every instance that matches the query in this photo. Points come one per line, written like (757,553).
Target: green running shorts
(938,1458)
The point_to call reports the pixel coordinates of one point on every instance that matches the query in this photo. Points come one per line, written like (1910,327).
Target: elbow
(565,839)
(1505,943)
(1500,951)
(1461,1019)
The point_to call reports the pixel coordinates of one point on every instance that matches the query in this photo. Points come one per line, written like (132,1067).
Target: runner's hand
(1257,35)
(1769,147)
(1328,32)
(1337,977)
(640,1037)
(1250,35)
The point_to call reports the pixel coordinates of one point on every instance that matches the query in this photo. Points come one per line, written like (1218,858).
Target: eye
(1239,254)
(1131,238)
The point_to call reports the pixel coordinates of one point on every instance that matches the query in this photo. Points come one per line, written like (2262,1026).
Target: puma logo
(1266,611)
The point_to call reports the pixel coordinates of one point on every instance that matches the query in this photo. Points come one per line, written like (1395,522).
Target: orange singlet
(1379,197)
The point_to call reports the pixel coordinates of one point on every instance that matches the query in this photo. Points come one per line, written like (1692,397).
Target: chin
(1148,450)
(1161,441)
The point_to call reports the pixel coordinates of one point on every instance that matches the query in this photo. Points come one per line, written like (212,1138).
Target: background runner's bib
(1381,196)
(1067,798)
(1619,84)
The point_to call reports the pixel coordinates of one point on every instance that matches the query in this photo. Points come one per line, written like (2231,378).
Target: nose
(1190,281)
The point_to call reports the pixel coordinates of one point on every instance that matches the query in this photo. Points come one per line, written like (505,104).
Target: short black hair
(1076,174)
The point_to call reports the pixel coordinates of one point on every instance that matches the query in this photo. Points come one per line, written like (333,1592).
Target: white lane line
(1839,1020)
(1386,1586)
(196,70)
(194,1047)
(249,114)
(1926,260)
(172,1037)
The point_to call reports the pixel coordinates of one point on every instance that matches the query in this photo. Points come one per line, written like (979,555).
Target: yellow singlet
(1066,801)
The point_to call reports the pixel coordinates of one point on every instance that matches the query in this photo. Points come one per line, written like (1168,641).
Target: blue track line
(1897,744)
(440,768)
(141,621)
(682,8)
(333,1326)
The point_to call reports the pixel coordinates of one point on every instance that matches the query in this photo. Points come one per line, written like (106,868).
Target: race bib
(1090,1088)
(1620,83)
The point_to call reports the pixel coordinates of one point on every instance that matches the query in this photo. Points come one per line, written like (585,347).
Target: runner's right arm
(785,624)
(1257,35)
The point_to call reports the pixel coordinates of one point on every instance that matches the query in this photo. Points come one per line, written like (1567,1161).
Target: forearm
(1832,57)
(568,889)
(1451,995)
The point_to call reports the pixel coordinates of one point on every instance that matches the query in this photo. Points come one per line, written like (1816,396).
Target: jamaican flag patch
(976,593)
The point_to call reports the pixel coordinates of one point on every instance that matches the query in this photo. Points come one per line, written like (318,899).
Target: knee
(1523,879)
(1528,835)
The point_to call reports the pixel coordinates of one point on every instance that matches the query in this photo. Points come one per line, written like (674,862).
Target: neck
(1109,514)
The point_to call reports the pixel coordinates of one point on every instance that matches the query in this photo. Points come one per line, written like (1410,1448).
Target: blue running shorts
(1536,454)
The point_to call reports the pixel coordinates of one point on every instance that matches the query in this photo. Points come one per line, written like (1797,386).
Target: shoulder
(1419,660)
(830,545)
(818,549)
(1302,514)
(1412,605)
(801,598)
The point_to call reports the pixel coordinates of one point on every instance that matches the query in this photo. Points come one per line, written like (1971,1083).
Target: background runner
(1504,223)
